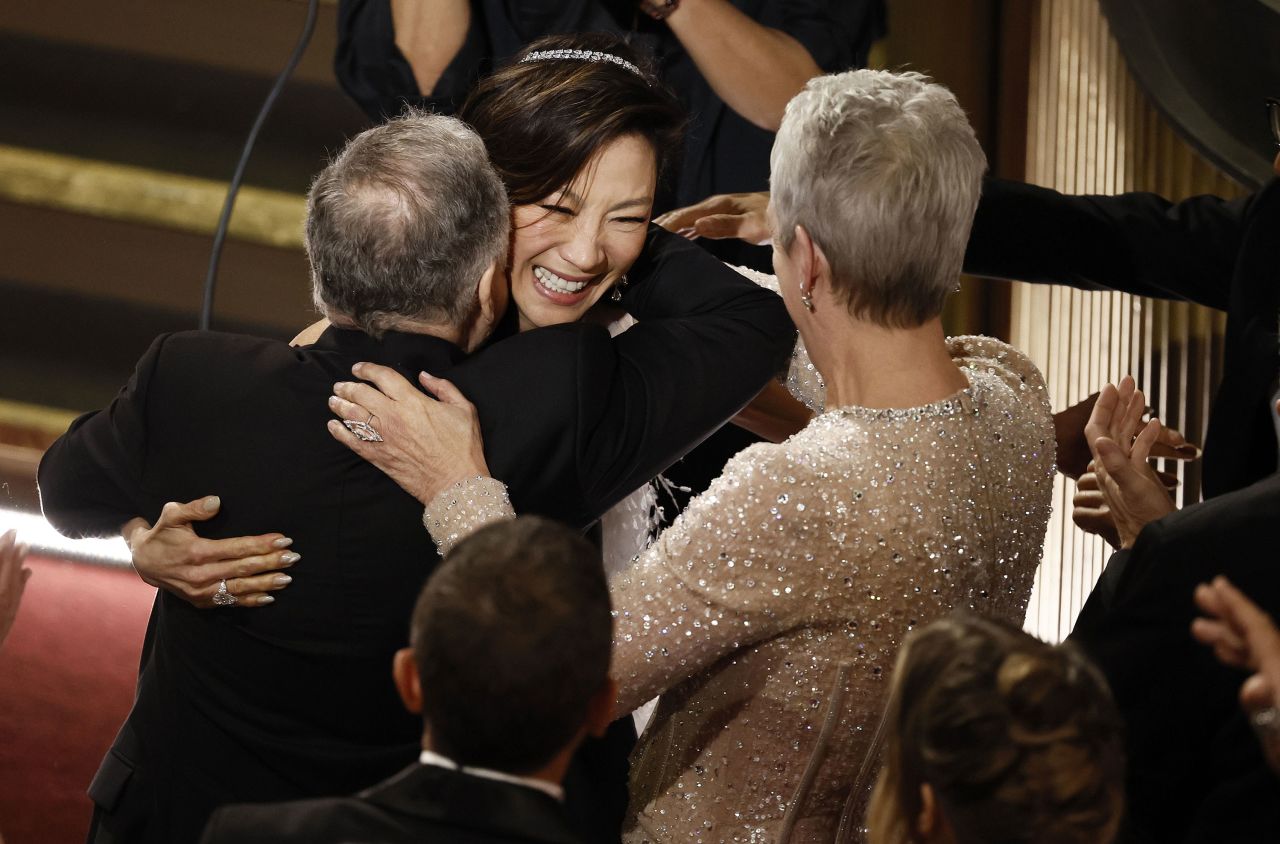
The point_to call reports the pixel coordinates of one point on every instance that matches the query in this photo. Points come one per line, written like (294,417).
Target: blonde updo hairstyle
(1018,739)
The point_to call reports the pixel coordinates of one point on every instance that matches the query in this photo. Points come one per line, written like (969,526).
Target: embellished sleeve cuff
(464,508)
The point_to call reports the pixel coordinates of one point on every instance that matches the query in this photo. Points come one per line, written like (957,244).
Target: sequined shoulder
(975,353)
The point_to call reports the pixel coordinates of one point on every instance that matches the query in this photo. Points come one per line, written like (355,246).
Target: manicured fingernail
(266,599)
(283,542)
(290,557)
(355,369)
(282,580)
(212,503)
(340,386)
(333,401)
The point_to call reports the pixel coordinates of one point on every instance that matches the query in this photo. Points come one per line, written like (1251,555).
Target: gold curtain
(1091,130)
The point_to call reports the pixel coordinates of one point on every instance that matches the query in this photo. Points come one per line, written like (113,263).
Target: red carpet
(67,674)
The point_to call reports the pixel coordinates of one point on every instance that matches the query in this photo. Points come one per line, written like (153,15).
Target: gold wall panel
(1091,130)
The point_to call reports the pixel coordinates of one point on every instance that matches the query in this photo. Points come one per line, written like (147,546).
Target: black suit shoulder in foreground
(420,805)
(1196,772)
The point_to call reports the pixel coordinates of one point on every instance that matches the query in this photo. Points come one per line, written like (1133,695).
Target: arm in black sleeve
(1136,243)
(706,342)
(91,477)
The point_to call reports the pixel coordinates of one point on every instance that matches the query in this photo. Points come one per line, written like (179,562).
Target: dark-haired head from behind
(544,121)
(995,736)
(511,641)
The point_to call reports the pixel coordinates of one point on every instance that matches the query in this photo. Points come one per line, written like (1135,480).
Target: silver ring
(364,431)
(222,597)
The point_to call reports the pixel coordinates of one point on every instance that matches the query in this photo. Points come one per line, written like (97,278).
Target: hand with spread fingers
(242,571)
(424,444)
(1132,491)
(1243,636)
(1074,454)
(13,579)
(726,215)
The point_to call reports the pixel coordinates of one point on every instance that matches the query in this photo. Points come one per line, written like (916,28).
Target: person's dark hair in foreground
(511,640)
(508,665)
(995,736)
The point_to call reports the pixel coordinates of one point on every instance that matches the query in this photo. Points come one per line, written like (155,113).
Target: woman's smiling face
(572,246)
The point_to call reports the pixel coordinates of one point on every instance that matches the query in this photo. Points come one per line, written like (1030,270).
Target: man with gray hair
(239,701)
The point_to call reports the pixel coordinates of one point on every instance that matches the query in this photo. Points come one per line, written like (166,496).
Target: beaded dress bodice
(768,616)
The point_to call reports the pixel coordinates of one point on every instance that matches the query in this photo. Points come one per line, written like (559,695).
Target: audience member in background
(13,579)
(734,63)
(994,737)
(1217,253)
(769,613)
(508,666)
(1196,774)
(1244,636)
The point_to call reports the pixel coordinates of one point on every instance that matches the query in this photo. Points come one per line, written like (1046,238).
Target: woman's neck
(868,365)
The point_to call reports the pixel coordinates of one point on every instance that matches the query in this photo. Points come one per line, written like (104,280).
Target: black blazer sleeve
(706,342)
(1136,243)
(91,478)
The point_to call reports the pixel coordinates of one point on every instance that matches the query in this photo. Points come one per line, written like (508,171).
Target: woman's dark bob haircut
(543,121)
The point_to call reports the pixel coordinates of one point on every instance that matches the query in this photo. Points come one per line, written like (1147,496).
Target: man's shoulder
(541,358)
(317,821)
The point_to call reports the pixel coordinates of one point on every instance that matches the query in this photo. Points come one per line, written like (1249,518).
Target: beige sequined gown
(769,614)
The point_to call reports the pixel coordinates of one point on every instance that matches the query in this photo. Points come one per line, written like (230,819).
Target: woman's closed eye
(557,209)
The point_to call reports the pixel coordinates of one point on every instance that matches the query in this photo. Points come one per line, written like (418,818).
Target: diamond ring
(222,597)
(363,430)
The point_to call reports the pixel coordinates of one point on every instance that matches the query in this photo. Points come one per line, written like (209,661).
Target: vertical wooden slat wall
(1091,130)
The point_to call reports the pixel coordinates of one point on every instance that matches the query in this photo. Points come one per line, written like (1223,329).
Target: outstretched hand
(1074,453)
(427,444)
(170,556)
(1130,487)
(725,215)
(13,579)
(1243,636)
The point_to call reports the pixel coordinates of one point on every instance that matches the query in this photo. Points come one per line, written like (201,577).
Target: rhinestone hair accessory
(582,56)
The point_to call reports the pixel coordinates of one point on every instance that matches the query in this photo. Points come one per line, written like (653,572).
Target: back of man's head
(403,224)
(512,638)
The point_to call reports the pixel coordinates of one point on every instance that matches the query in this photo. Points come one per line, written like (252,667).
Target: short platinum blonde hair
(884,173)
(404,223)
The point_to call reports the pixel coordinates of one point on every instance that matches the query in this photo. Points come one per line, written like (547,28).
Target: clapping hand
(1130,488)
(1243,636)
(726,215)
(424,444)
(1075,455)
(13,579)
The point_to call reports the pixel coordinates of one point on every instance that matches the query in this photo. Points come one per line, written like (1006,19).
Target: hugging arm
(706,342)
(91,484)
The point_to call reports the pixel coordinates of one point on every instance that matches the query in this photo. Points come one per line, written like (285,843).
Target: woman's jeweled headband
(583,56)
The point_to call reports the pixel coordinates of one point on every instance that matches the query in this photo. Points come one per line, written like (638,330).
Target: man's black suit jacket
(295,700)
(1196,773)
(420,805)
(1225,255)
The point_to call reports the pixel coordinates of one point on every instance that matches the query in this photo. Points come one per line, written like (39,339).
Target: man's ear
(491,306)
(600,708)
(404,670)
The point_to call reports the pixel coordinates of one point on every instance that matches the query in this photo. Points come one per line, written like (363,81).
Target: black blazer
(295,700)
(1225,255)
(420,805)
(1196,772)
